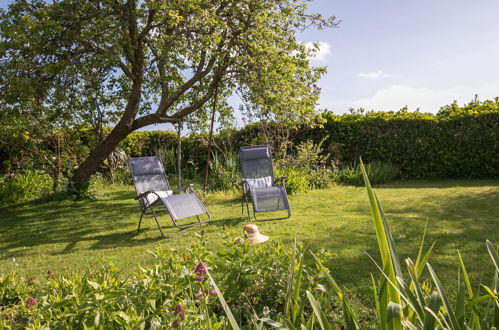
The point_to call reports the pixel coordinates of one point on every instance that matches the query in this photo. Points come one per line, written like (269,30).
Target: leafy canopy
(153,61)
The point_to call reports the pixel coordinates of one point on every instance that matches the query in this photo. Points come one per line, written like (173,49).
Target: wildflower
(179,310)
(176,323)
(202,232)
(200,269)
(30,302)
(50,272)
(199,295)
(199,278)
(213,292)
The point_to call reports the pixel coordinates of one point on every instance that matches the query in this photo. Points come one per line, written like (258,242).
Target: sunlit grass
(64,235)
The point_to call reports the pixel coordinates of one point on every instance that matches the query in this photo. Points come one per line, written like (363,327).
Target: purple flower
(199,295)
(179,310)
(213,292)
(176,323)
(50,272)
(30,302)
(199,278)
(200,269)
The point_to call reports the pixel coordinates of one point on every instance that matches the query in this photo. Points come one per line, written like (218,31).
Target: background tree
(155,61)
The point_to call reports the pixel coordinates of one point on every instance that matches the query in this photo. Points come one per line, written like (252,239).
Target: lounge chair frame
(247,194)
(161,182)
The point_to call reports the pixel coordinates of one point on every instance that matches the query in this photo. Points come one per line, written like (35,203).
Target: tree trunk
(82,175)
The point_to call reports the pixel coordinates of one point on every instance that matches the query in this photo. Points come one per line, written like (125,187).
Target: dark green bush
(378,172)
(24,185)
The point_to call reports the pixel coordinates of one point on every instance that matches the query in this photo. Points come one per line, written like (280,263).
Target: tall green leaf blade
(225,306)
(465,275)
(386,248)
(351,321)
(273,323)
(493,254)
(422,263)
(452,317)
(432,311)
(321,316)
(394,316)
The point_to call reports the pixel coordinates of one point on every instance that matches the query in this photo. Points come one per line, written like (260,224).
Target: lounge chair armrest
(184,188)
(145,193)
(281,179)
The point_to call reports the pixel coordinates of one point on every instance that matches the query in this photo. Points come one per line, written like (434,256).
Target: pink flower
(200,269)
(199,295)
(30,302)
(213,292)
(179,310)
(199,278)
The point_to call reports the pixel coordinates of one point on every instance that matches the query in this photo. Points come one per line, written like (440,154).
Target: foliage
(137,63)
(224,172)
(24,185)
(404,301)
(179,290)
(458,142)
(296,179)
(378,172)
(305,168)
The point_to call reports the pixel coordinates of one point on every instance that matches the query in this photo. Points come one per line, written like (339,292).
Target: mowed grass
(66,236)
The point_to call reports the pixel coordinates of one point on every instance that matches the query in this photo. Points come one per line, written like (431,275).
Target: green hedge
(456,142)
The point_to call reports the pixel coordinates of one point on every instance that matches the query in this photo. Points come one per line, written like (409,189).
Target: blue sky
(422,54)
(387,54)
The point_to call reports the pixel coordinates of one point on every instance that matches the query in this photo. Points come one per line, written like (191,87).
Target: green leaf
(394,316)
(443,296)
(225,306)
(321,316)
(465,275)
(273,323)
(493,254)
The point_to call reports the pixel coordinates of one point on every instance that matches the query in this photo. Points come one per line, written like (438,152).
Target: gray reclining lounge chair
(259,183)
(153,190)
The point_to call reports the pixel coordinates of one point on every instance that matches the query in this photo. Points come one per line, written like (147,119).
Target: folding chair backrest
(148,174)
(256,162)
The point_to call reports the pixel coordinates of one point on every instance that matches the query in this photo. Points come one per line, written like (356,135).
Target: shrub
(378,172)
(225,173)
(297,179)
(24,185)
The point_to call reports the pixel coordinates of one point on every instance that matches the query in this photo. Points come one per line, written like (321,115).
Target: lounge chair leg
(140,220)
(157,222)
(247,208)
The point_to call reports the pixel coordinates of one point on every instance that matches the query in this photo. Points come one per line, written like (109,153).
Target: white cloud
(373,75)
(323,51)
(396,97)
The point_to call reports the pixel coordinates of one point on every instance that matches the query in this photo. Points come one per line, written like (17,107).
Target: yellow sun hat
(254,236)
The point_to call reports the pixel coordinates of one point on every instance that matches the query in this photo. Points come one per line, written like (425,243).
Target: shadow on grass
(458,220)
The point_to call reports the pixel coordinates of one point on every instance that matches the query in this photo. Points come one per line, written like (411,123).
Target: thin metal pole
(208,156)
(179,153)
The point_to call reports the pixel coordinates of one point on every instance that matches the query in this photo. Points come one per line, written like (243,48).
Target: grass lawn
(65,236)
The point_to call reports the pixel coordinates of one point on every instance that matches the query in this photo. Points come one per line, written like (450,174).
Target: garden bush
(24,185)
(457,142)
(379,172)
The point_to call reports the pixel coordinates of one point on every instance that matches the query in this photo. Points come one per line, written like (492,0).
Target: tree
(155,61)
